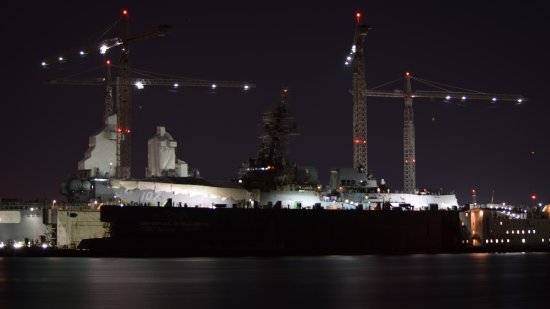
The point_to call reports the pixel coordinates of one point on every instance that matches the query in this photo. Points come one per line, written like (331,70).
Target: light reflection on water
(462,280)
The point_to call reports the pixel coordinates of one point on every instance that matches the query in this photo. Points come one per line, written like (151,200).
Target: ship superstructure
(277,181)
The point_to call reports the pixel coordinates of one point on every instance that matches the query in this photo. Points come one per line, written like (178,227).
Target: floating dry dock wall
(196,231)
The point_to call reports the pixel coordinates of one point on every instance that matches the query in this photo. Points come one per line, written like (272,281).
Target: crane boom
(104,45)
(174,82)
(446,95)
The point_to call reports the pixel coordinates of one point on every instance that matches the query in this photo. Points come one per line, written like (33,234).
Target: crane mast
(359,97)
(409,152)
(108,92)
(124,108)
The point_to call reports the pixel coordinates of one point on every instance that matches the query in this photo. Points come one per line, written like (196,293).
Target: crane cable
(385,84)
(433,84)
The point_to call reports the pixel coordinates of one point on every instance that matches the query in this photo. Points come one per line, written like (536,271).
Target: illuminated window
(518,231)
(528,231)
(543,240)
(500,222)
(508,240)
(512,231)
(506,232)
(486,241)
(502,241)
(522,231)
(496,240)
(534,231)
(523,240)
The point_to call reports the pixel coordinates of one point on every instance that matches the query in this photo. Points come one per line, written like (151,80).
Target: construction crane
(356,59)
(409,152)
(124,83)
(123,88)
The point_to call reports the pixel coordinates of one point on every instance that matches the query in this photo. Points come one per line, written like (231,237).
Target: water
(446,281)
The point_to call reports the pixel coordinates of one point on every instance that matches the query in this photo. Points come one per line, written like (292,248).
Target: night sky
(496,46)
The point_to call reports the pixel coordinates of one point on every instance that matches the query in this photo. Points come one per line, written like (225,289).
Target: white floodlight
(103,49)
(139,85)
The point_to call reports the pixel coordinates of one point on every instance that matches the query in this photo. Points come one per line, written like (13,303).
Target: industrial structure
(180,201)
(356,59)
(123,85)
(271,170)
(409,152)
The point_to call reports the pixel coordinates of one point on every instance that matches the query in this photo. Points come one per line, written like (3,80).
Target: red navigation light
(124,12)
(533,197)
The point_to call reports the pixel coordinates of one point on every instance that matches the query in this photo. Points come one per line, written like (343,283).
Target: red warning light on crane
(408,74)
(124,12)
(285,90)
(108,62)
(533,197)
(358,17)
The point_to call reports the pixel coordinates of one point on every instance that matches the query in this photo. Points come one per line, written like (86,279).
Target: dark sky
(495,46)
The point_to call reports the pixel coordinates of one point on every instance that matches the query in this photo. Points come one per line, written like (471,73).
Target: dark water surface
(519,280)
